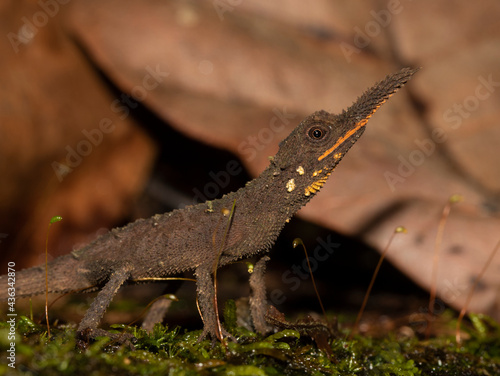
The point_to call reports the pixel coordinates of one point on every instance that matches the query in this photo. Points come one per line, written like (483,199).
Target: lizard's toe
(213,335)
(86,336)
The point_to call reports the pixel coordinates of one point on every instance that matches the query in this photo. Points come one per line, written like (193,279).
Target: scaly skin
(191,238)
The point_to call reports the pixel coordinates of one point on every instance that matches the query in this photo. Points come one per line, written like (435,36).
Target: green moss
(173,351)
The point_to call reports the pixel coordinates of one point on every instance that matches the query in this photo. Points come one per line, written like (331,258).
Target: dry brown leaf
(50,96)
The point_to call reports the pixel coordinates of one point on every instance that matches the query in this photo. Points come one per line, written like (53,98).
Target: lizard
(199,237)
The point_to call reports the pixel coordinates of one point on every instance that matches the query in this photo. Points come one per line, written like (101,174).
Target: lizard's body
(191,238)
(165,244)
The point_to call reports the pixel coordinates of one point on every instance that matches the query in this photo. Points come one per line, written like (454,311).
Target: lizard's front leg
(88,326)
(258,300)
(206,300)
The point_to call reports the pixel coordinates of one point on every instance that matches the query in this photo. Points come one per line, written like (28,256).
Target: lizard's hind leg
(160,307)
(258,301)
(87,329)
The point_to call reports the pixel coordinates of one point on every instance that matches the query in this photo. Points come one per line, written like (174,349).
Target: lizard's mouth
(337,150)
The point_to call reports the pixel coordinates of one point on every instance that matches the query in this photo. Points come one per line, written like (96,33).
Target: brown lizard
(192,238)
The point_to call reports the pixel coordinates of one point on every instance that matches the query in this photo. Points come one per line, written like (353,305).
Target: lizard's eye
(316,133)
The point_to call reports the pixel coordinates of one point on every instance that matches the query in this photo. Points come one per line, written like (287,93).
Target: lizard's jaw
(344,142)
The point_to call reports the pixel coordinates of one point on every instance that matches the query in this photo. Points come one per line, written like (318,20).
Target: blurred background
(113,110)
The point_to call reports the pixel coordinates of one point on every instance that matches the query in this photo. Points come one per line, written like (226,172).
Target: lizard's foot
(213,335)
(86,336)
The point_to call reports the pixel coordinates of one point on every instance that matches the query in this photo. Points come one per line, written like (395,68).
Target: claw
(207,333)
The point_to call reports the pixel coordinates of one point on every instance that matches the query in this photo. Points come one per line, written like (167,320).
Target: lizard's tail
(62,277)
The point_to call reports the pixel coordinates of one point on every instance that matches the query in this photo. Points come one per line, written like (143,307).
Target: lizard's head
(310,153)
